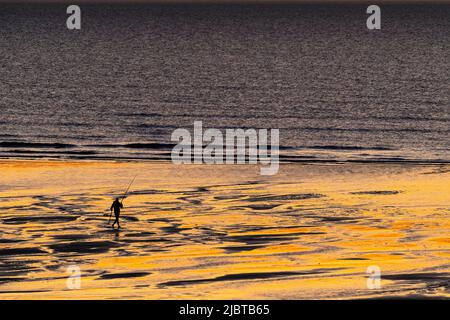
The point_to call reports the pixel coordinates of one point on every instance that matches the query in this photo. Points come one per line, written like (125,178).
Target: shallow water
(224,231)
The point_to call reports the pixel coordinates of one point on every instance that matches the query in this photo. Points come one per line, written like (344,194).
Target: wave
(151,145)
(372,130)
(349,148)
(167,158)
(161,151)
(50,152)
(8,144)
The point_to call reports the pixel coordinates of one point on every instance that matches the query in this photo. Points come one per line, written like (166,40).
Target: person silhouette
(116,205)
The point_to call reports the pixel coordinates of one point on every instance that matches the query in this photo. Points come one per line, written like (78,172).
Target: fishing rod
(123,197)
(128,189)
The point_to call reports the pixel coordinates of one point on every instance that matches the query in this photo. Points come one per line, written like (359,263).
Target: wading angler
(236,146)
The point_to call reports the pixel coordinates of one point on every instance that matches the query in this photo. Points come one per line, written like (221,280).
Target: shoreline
(282,162)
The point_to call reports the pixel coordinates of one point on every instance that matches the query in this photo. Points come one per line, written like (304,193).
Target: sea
(119,87)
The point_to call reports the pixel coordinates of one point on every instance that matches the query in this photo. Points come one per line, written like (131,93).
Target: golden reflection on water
(223,231)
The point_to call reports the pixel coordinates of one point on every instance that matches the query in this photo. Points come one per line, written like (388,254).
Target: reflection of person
(116,205)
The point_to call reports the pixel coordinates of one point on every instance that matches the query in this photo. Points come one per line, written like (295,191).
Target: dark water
(133,74)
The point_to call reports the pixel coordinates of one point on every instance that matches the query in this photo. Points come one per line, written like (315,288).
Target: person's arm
(112,206)
(121,204)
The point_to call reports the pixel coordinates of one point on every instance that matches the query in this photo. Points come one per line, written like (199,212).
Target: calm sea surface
(133,74)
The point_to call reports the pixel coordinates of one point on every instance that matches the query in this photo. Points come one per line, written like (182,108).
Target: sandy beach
(223,232)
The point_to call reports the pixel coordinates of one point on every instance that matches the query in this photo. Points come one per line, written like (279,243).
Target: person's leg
(117,220)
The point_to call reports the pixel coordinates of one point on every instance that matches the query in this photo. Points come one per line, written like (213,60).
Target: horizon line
(237,2)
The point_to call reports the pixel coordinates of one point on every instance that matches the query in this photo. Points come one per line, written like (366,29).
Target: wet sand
(224,232)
